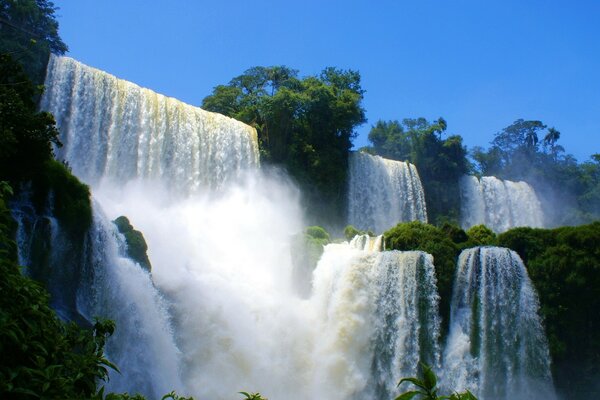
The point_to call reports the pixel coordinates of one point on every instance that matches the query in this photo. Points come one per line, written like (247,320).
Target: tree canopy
(529,151)
(29,32)
(305,124)
(440,162)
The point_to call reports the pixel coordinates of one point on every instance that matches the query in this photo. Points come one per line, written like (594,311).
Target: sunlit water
(219,312)
(498,204)
(382,193)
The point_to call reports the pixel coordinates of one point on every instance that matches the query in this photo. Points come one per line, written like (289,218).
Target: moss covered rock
(136,244)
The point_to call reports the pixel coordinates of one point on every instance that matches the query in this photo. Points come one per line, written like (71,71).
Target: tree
(440,162)
(26,136)
(306,125)
(29,32)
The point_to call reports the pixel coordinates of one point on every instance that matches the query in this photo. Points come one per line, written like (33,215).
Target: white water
(377,318)
(500,205)
(228,318)
(496,346)
(115,287)
(114,128)
(383,193)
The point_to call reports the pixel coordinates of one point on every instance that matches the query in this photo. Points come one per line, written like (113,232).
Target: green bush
(480,235)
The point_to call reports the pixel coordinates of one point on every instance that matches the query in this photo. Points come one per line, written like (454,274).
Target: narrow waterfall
(383,192)
(496,346)
(377,314)
(498,204)
(116,129)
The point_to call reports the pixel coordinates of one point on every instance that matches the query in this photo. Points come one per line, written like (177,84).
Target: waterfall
(219,313)
(115,129)
(115,287)
(377,318)
(93,278)
(383,192)
(500,205)
(496,346)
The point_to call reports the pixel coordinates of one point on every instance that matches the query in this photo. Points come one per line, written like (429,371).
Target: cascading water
(383,193)
(498,204)
(222,260)
(116,129)
(496,346)
(115,287)
(377,314)
(92,278)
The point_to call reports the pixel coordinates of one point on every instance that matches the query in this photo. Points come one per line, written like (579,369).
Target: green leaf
(414,381)
(429,378)
(407,395)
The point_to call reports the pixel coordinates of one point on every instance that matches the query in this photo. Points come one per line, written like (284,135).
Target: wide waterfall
(116,129)
(383,193)
(496,346)
(219,313)
(498,204)
(377,318)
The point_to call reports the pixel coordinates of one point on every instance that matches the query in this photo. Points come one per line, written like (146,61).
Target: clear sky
(480,64)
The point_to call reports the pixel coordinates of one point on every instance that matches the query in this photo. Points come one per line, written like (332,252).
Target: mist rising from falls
(115,287)
(115,129)
(91,277)
(496,346)
(383,193)
(498,204)
(219,313)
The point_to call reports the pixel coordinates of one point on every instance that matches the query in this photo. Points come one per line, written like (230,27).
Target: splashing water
(377,318)
(496,347)
(226,316)
(383,193)
(500,205)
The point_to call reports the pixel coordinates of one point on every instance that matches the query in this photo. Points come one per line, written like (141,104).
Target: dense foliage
(40,356)
(305,124)
(564,265)
(440,162)
(26,155)
(29,32)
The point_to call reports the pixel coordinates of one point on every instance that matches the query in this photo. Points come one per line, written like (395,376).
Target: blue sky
(479,64)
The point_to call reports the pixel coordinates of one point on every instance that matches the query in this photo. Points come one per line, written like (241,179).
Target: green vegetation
(29,32)
(305,124)
(528,151)
(136,244)
(435,241)
(26,139)
(440,162)
(307,249)
(564,265)
(40,356)
(481,235)
(427,388)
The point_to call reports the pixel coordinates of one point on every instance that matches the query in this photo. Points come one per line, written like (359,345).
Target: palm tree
(550,140)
